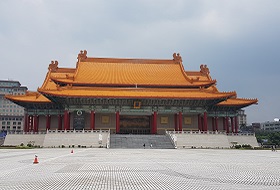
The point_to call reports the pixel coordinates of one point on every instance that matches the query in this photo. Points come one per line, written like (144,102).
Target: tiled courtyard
(139,169)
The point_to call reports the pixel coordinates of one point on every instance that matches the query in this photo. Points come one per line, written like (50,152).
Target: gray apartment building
(11,114)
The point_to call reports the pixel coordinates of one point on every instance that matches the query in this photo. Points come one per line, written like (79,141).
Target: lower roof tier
(96,92)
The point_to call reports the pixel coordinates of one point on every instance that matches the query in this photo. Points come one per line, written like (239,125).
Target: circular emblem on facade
(79,112)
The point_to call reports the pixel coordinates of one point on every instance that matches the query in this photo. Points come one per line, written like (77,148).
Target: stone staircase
(2,140)
(137,141)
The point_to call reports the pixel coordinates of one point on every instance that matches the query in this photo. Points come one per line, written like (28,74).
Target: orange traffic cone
(35,160)
(72,151)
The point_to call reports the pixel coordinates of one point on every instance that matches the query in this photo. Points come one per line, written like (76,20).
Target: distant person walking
(151,145)
(144,145)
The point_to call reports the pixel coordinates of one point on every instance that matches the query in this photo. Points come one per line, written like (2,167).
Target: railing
(172,138)
(25,133)
(77,131)
(210,132)
(241,134)
(58,131)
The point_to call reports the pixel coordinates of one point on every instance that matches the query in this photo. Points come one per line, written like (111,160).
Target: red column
(216,123)
(232,124)
(180,121)
(48,122)
(236,124)
(205,122)
(227,125)
(199,122)
(202,123)
(213,123)
(92,120)
(38,119)
(59,118)
(35,123)
(69,115)
(154,129)
(66,120)
(117,122)
(224,123)
(25,128)
(176,122)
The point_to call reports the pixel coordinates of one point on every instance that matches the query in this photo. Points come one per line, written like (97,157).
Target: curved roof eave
(30,97)
(238,102)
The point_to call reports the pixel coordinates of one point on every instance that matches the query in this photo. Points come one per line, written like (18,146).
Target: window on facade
(14,123)
(3,122)
(8,122)
(19,123)
(19,127)
(3,127)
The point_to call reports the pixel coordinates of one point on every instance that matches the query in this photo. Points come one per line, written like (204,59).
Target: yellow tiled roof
(48,84)
(35,97)
(199,76)
(105,71)
(238,102)
(159,75)
(98,92)
(58,74)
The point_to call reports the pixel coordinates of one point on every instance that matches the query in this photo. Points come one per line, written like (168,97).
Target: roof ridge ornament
(53,65)
(82,55)
(204,69)
(177,58)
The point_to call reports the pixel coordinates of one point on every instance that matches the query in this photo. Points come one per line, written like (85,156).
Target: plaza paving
(139,169)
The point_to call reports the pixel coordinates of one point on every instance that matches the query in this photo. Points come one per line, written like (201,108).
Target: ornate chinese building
(133,96)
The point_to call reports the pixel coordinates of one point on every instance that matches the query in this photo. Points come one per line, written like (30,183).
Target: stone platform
(95,168)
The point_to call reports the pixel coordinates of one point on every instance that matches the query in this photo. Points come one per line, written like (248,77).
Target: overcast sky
(238,40)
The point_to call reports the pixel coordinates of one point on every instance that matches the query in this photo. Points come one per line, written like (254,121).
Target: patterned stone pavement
(139,169)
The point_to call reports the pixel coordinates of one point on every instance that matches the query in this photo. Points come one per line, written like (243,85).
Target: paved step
(59,138)
(137,141)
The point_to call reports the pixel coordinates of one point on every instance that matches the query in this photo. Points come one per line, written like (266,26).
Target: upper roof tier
(130,72)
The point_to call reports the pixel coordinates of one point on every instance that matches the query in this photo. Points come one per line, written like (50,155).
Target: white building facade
(242,118)
(271,126)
